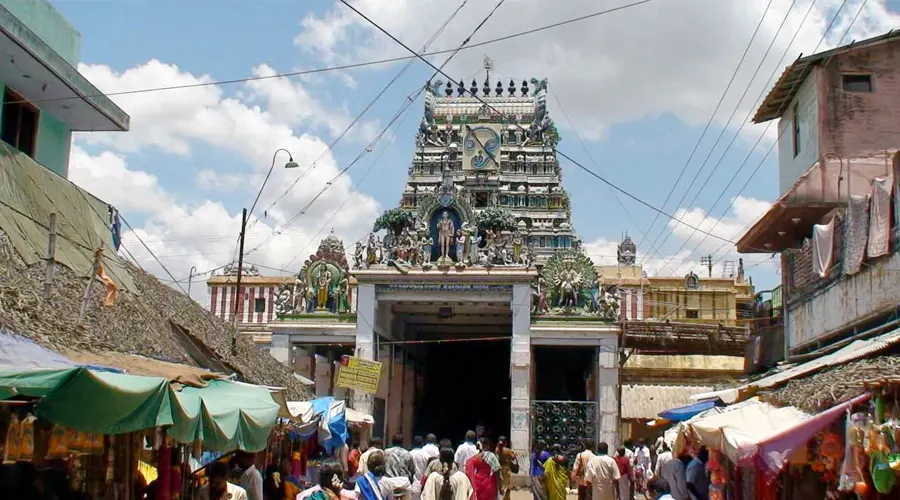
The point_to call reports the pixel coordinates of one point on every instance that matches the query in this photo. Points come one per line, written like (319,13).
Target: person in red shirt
(626,474)
(353,459)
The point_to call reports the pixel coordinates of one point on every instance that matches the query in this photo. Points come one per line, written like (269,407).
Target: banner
(359,374)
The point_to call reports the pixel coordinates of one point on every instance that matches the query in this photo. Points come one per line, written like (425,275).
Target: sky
(639,96)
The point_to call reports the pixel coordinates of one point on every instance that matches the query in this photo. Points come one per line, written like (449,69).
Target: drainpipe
(840,175)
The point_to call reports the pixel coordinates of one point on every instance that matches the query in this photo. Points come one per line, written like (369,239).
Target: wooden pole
(98,254)
(238,297)
(51,257)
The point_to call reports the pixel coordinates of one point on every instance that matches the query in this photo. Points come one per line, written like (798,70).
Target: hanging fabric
(856,233)
(823,248)
(112,291)
(880,218)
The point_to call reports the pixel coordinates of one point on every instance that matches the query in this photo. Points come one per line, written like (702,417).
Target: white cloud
(108,177)
(661,58)
(191,231)
(744,212)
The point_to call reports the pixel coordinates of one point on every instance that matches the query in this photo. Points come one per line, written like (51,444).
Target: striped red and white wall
(633,306)
(221,303)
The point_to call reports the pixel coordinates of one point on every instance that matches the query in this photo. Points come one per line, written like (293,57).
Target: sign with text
(359,374)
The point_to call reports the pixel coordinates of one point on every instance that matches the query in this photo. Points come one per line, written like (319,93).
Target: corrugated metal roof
(857,349)
(648,401)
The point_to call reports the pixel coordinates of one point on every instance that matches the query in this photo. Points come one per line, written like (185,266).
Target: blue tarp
(683,413)
(23,354)
(333,414)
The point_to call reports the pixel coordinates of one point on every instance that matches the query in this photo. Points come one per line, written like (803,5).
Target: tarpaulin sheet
(880,218)
(107,403)
(30,193)
(856,233)
(21,353)
(333,424)
(683,413)
(738,433)
(823,248)
(225,415)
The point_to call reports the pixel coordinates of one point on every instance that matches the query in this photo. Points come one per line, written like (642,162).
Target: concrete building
(45,98)
(833,223)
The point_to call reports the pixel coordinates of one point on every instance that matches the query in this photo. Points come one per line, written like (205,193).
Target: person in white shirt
(449,483)
(251,480)
(218,487)
(377,444)
(603,475)
(466,451)
(658,489)
(420,459)
(643,469)
(663,457)
(430,447)
(580,469)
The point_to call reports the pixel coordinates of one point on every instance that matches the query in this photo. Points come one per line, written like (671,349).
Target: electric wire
(740,168)
(708,123)
(344,66)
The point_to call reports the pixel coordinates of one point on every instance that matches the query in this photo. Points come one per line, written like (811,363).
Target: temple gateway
(476,298)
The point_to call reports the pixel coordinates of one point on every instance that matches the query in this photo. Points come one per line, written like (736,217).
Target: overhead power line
(343,66)
(558,151)
(708,123)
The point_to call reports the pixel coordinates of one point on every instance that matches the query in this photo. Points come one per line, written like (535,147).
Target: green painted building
(45,98)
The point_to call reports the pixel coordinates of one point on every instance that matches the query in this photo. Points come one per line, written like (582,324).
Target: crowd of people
(634,469)
(478,469)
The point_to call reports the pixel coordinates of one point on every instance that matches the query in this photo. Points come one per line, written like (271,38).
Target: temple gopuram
(473,292)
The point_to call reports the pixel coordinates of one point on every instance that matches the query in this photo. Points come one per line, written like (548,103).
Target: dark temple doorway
(466,384)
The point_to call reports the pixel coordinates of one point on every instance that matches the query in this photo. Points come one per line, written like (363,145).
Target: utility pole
(708,262)
(51,258)
(238,296)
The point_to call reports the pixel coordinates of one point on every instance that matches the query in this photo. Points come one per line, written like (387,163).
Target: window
(795,123)
(20,123)
(857,83)
(259,305)
(692,314)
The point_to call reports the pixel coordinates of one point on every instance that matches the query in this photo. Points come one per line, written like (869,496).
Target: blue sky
(638,85)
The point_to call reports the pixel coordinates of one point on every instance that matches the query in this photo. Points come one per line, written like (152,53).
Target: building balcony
(39,73)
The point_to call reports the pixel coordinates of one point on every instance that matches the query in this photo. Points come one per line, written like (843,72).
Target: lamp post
(238,296)
(190,278)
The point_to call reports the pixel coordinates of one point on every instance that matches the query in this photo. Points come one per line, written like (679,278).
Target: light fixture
(291,163)
(781,233)
(796,220)
(768,245)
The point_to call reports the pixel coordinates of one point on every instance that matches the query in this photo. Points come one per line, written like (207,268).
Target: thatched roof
(646,402)
(835,385)
(157,322)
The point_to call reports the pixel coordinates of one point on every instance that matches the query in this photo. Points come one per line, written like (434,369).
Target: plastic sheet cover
(30,193)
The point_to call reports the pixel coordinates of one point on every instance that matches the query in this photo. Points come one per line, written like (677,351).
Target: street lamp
(238,299)
(190,277)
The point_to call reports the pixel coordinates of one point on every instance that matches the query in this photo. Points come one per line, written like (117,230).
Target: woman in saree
(373,485)
(483,471)
(538,483)
(509,465)
(556,474)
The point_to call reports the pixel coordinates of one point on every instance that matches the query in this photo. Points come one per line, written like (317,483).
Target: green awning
(108,403)
(225,415)
(32,383)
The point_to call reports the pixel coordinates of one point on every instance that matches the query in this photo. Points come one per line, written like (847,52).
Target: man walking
(697,479)
(430,448)
(466,451)
(673,472)
(603,475)
(661,459)
(420,459)
(397,461)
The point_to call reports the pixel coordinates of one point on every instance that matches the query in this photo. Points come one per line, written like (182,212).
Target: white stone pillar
(281,348)
(608,391)
(520,403)
(365,340)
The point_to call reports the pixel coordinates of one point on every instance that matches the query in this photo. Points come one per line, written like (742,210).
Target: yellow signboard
(359,374)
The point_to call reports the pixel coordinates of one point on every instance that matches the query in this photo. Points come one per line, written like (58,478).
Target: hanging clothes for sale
(856,233)
(823,248)
(879,218)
